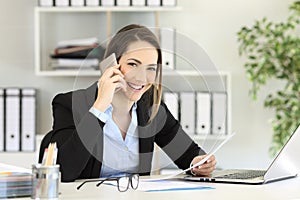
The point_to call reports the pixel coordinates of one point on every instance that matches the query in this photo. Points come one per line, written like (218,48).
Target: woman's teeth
(136,87)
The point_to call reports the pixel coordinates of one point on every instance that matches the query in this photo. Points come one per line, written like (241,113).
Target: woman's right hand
(111,80)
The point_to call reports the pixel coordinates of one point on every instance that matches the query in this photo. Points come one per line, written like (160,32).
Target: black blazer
(79,137)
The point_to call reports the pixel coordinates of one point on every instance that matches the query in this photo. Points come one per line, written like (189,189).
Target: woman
(110,128)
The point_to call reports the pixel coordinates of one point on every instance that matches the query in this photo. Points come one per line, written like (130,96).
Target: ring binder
(28,119)
(12,119)
(219,113)
(1,119)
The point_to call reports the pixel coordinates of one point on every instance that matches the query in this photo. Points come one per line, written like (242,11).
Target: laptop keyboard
(244,174)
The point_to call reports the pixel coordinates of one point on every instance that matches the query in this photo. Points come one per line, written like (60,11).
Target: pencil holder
(45,182)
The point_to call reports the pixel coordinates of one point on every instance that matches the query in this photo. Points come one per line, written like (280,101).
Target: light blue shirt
(119,156)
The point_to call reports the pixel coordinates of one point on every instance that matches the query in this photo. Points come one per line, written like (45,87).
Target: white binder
(167,42)
(1,119)
(203,124)
(138,2)
(107,2)
(219,113)
(187,111)
(12,119)
(169,2)
(77,2)
(28,119)
(172,102)
(92,2)
(46,3)
(123,3)
(153,2)
(61,2)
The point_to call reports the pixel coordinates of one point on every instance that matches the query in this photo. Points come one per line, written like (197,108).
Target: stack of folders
(83,53)
(14,181)
(200,113)
(80,3)
(17,119)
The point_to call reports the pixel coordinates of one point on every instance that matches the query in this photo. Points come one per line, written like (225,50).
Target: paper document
(148,185)
(5,168)
(201,161)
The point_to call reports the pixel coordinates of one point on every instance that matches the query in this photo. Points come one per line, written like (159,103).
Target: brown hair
(119,44)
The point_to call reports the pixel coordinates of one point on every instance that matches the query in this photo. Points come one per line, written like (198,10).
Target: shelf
(97,73)
(193,73)
(108,9)
(209,137)
(44,40)
(69,73)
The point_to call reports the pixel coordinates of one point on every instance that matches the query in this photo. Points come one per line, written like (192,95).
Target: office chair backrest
(44,144)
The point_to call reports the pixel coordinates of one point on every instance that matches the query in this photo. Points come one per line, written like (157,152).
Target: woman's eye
(132,64)
(151,68)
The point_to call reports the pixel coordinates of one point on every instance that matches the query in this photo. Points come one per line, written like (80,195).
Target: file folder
(28,119)
(167,42)
(153,2)
(77,2)
(92,2)
(219,113)
(1,119)
(203,125)
(107,2)
(123,3)
(172,102)
(169,2)
(46,3)
(187,112)
(12,119)
(138,2)
(61,2)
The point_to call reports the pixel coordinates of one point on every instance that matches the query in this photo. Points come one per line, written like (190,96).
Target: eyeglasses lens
(123,183)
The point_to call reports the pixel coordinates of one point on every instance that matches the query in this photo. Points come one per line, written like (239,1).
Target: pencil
(49,158)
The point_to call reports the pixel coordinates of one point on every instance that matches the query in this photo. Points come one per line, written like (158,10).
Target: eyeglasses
(122,182)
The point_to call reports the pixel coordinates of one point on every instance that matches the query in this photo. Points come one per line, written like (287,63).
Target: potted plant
(272,51)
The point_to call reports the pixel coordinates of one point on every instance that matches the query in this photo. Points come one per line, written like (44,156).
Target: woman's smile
(135,86)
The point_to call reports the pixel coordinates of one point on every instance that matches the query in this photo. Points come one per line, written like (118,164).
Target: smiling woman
(110,128)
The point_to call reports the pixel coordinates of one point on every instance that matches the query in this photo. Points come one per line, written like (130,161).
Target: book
(15,181)
(63,63)
(71,49)
(78,42)
(88,53)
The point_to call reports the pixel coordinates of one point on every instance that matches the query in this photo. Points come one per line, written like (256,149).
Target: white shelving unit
(22,159)
(45,39)
(191,80)
(57,23)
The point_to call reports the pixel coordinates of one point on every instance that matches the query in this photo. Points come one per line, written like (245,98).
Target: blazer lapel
(91,95)
(146,141)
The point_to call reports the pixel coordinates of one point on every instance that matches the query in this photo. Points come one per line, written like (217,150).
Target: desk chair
(44,144)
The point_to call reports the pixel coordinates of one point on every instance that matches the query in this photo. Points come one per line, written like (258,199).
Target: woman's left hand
(206,168)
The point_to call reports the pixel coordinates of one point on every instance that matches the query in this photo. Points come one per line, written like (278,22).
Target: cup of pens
(46,176)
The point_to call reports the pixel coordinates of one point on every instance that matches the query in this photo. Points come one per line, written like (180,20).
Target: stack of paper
(83,53)
(14,181)
(169,185)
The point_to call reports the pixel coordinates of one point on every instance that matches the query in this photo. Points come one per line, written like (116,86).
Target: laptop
(285,165)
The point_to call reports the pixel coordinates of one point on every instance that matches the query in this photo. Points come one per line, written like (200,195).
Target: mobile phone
(110,61)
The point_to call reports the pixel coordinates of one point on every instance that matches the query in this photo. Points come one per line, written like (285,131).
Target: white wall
(212,24)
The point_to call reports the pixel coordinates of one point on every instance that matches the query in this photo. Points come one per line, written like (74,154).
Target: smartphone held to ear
(110,61)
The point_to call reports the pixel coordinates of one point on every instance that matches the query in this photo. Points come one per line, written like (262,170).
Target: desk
(281,190)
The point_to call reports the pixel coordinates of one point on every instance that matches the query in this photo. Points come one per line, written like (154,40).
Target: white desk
(281,190)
